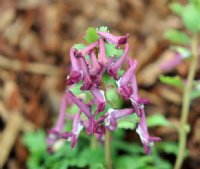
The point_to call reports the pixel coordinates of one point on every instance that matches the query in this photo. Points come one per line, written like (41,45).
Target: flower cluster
(88,66)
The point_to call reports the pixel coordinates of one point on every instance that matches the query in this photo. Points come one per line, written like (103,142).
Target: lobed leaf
(177,8)
(191,17)
(91,35)
(157,120)
(177,36)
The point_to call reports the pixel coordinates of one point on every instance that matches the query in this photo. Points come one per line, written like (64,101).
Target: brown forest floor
(35,37)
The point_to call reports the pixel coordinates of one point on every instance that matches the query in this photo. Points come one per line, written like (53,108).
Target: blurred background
(35,38)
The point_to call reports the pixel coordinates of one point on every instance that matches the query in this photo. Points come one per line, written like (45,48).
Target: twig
(38,68)
(5,114)
(9,136)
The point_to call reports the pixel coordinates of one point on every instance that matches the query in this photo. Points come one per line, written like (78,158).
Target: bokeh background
(35,38)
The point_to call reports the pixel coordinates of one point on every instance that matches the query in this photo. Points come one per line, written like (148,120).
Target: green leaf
(176,36)
(173,81)
(33,163)
(103,29)
(120,72)
(194,94)
(113,98)
(129,148)
(126,162)
(128,122)
(167,147)
(75,89)
(73,109)
(35,142)
(119,53)
(177,8)
(91,35)
(79,46)
(97,166)
(157,120)
(191,17)
(88,156)
(112,51)
(196,3)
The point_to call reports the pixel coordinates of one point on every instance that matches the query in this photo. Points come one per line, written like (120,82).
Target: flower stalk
(186,104)
(108,158)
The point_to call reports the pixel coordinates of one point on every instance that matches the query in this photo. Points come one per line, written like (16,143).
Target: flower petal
(117,40)
(99,98)
(114,67)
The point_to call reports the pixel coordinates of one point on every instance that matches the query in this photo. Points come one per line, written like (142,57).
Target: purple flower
(114,114)
(82,106)
(95,127)
(86,50)
(95,68)
(99,98)
(176,60)
(146,140)
(54,133)
(102,53)
(87,83)
(117,40)
(97,80)
(76,73)
(121,113)
(90,73)
(77,127)
(110,122)
(124,83)
(114,67)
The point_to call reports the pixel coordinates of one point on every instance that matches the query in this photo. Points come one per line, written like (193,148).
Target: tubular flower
(85,50)
(124,83)
(176,60)
(55,133)
(77,127)
(99,98)
(142,130)
(102,53)
(114,67)
(117,40)
(76,73)
(92,68)
(95,68)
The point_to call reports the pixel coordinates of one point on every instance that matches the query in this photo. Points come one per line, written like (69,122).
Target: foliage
(84,155)
(172,81)
(177,36)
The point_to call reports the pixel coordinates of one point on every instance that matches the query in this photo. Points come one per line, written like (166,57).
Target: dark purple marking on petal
(86,50)
(66,135)
(117,40)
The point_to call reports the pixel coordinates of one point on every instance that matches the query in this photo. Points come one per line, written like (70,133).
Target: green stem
(108,150)
(186,104)
(93,142)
